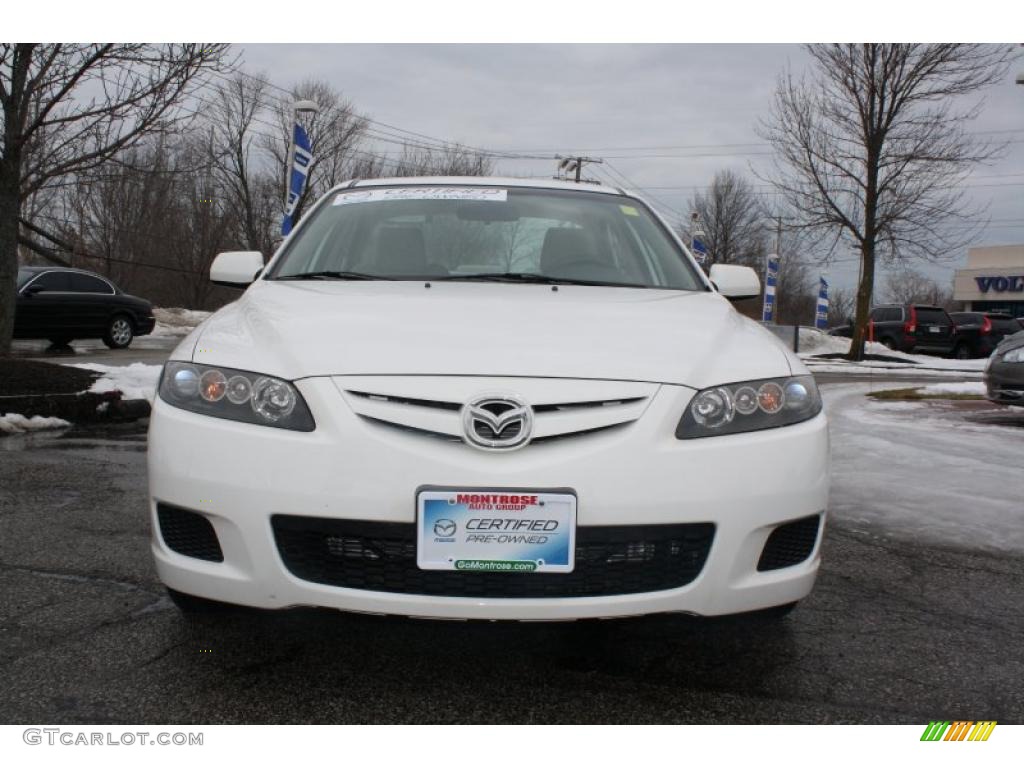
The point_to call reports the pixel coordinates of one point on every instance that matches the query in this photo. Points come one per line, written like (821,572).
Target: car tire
(888,343)
(120,332)
(962,352)
(190,605)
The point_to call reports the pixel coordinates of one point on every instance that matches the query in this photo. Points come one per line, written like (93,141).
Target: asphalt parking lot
(152,350)
(897,631)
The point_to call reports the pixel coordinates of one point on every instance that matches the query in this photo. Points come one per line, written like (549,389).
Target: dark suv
(913,328)
(979,333)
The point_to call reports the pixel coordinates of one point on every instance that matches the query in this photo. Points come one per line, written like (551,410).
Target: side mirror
(236,269)
(32,290)
(735,282)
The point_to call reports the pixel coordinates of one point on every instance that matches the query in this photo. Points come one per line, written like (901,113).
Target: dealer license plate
(496,531)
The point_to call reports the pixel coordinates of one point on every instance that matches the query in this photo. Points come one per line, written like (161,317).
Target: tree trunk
(10,209)
(863,303)
(867,247)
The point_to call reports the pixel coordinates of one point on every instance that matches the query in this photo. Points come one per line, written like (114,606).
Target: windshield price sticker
(496,531)
(421,193)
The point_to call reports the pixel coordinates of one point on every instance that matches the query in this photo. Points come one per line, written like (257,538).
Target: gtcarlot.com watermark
(75,738)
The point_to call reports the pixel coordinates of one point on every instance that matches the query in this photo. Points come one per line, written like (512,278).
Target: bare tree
(445,160)
(244,178)
(840,306)
(874,147)
(909,286)
(733,221)
(71,108)
(796,291)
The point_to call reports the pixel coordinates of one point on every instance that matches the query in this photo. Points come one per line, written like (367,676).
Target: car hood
(296,330)
(1011,341)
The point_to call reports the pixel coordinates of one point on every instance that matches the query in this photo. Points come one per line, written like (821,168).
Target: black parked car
(918,328)
(914,328)
(979,333)
(64,304)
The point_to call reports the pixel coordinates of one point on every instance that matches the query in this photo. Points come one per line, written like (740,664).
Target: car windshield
(24,275)
(486,233)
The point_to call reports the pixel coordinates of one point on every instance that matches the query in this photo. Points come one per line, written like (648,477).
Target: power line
(757,144)
(631,185)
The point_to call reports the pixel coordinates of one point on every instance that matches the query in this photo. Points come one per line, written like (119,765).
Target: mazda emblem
(444,527)
(497,422)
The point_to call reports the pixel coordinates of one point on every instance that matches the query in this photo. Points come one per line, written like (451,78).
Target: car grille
(381,557)
(789,544)
(572,409)
(188,533)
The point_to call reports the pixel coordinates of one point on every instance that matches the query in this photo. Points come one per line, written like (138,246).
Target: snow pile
(954,388)
(815,342)
(15,423)
(134,382)
(175,321)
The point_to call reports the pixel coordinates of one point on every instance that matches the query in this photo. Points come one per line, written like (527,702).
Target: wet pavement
(896,631)
(152,350)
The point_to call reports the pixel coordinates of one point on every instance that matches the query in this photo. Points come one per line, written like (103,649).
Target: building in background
(992,281)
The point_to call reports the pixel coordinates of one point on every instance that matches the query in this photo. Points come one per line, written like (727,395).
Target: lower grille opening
(381,557)
(188,533)
(790,544)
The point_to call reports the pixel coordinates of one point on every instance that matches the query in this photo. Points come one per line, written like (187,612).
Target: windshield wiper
(533,277)
(331,275)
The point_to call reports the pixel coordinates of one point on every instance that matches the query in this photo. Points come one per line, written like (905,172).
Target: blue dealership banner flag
(821,314)
(297,181)
(700,251)
(771,279)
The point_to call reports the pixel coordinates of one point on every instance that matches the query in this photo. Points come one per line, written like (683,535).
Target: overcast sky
(614,101)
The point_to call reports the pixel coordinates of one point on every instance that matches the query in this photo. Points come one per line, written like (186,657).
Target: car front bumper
(238,476)
(145,325)
(1004,382)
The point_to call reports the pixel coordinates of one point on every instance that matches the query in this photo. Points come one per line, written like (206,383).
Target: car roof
(36,268)
(482,181)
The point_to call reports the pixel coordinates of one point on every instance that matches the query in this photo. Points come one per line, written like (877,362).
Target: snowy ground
(922,470)
(813,343)
(135,381)
(175,321)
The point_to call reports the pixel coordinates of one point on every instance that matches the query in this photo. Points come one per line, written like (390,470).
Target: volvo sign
(1000,283)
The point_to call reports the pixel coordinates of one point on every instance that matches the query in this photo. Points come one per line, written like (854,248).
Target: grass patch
(915,393)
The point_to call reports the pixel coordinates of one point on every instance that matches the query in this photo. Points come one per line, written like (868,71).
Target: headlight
(236,395)
(749,406)
(1015,355)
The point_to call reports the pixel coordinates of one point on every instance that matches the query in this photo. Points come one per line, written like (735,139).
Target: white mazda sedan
(486,399)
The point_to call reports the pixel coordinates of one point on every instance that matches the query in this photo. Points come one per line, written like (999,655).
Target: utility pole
(575,164)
